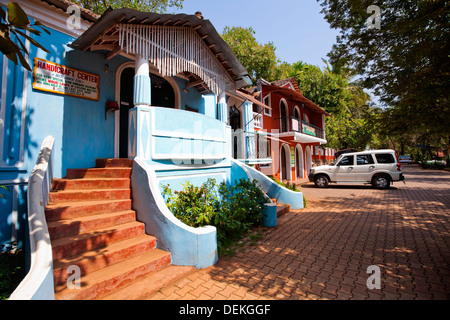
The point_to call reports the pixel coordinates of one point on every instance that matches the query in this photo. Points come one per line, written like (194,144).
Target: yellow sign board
(52,77)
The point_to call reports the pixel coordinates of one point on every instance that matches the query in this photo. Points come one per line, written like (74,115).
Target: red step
(104,281)
(98,173)
(116,163)
(143,287)
(283,209)
(63,228)
(92,226)
(89,184)
(71,210)
(91,261)
(98,239)
(89,195)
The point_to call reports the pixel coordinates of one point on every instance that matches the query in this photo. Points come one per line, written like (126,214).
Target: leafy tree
(258,59)
(405,62)
(159,6)
(14,22)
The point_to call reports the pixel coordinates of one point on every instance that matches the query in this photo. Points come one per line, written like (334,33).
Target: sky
(296,27)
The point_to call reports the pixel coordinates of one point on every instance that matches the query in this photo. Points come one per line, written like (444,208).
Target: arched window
(284,121)
(297,113)
(299,161)
(305,118)
(285,161)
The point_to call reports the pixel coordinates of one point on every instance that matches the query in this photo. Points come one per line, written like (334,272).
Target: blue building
(156,89)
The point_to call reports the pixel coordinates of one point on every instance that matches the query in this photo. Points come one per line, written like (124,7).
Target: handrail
(38,283)
(319,131)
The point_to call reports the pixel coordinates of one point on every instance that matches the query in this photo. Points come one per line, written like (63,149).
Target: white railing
(258,120)
(38,283)
(249,145)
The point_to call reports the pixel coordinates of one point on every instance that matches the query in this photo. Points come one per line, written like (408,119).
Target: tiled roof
(64,4)
(293,95)
(283,82)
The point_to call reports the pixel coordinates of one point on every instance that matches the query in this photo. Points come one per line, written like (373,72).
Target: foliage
(405,62)
(433,164)
(3,196)
(347,102)
(158,6)
(258,59)
(12,269)
(14,22)
(287,185)
(232,210)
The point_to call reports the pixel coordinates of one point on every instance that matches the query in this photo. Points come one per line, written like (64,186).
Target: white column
(222,112)
(142,83)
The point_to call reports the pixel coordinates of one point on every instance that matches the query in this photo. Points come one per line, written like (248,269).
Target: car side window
(385,158)
(364,159)
(347,161)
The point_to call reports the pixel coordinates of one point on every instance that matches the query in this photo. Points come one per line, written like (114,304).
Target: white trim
(14,212)
(287,114)
(185,135)
(302,167)
(299,113)
(185,176)
(309,160)
(12,182)
(268,112)
(290,86)
(187,156)
(174,167)
(51,17)
(153,70)
(123,66)
(24,106)
(3,107)
(23,116)
(287,163)
(324,127)
(305,117)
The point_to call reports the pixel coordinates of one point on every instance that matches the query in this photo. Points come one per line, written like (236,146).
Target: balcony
(258,120)
(251,147)
(302,130)
(164,136)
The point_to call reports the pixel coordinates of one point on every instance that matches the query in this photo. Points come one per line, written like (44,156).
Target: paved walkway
(323,251)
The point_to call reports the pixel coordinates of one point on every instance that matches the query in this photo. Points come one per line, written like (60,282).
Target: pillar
(142,83)
(249,130)
(222,112)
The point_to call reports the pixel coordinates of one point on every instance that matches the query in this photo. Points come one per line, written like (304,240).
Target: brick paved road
(323,251)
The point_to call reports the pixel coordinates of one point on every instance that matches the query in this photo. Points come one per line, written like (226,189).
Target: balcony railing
(257,120)
(291,124)
(250,146)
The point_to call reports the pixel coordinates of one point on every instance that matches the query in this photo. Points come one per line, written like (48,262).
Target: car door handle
(372,167)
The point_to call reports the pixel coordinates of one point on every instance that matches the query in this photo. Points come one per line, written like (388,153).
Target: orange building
(295,127)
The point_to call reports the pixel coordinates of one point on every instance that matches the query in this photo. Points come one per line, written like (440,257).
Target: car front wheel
(321,181)
(381,182)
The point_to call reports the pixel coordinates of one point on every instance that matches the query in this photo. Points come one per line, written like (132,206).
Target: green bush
(12,269)
(288,185)
(433,164)
(232,210)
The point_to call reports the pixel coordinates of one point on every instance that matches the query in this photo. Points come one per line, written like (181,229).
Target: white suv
(377,167)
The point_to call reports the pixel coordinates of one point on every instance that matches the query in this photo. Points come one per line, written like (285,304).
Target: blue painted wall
(78,125)
(204,104)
